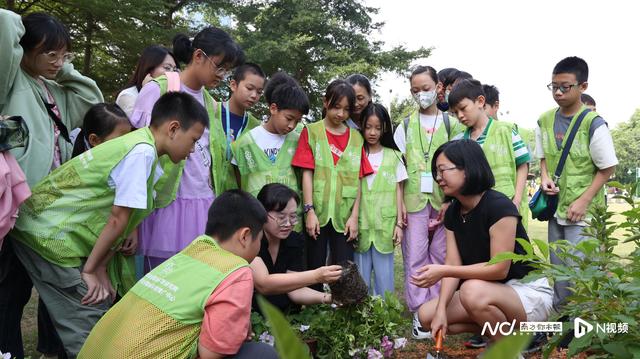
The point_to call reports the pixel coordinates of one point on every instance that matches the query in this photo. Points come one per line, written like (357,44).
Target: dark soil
(350,288)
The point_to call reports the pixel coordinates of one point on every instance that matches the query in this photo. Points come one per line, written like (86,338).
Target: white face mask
(425,98)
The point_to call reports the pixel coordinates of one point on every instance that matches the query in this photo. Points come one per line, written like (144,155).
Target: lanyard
(229,136)
(428,152)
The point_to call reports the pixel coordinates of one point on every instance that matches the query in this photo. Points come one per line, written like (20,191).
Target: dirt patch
(350,288)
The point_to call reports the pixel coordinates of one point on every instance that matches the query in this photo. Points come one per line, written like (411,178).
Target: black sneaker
(539,340)
(476,341)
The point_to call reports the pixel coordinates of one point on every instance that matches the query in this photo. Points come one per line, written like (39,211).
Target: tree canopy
(626,141)
(313,40)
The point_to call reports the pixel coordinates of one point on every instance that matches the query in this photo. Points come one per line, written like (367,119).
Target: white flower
(304,328)
(267,338)
(399,343)
(5,355)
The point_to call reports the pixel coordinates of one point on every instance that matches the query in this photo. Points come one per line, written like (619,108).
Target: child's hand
(351,228)
(403,215)
(398,234)
(443,210)
(147,79)
(130,244)
(549,187)
(577,210)
(328,274)
(312,224)
(97,291)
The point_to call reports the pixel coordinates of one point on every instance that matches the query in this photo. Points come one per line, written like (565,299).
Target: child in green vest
(506,152)
(591,161)
(70,229)
(181,213)
(102,122)
(265,153)
(168,314)
(333,161)
(381,203)
(417,137)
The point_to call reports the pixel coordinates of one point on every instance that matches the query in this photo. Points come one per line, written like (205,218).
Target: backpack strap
(567,145)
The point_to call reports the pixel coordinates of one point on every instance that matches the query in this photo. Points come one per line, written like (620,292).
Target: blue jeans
(382,266)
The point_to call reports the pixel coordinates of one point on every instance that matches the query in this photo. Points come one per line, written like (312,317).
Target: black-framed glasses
(564,88)
(284,220)
(440,171)
(220,71)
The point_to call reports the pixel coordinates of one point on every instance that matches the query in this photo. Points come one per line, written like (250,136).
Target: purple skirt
(169,230)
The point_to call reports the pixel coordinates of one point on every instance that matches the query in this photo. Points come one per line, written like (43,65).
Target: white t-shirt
(270,143)
(601,149)
(429,122)
(375,159)
(129,177)
(126,99)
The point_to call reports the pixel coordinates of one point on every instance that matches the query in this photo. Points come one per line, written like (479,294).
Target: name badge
(426,182)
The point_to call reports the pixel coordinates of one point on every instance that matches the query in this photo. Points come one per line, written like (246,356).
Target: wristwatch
(308,207)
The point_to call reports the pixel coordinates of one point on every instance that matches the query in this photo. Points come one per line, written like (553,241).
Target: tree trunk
(11,5)
(88,35)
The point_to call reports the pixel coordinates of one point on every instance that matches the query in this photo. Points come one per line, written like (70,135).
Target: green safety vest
(579,170)
(162,315)
(335,187)
(378,206)
(221,169)
(69,208)
(414,199)
(256,170)
(498,149)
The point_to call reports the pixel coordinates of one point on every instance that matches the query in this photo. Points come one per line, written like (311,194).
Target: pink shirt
(227,314)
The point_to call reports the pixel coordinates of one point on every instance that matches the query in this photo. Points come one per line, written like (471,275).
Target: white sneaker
(419,332)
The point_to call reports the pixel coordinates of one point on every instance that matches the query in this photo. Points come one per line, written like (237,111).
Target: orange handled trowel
(439,347)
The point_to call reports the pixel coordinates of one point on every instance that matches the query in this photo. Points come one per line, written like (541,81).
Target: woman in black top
(277,270)
(480,223)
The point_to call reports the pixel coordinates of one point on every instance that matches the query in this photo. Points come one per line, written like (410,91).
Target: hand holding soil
(350,288)
(328,274)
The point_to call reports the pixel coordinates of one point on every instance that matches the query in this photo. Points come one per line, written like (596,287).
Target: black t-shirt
(472,234)
(290,258)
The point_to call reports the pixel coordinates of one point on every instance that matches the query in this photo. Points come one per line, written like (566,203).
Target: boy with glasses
(591,161)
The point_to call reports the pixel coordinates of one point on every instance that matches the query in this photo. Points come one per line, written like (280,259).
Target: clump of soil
(350,288)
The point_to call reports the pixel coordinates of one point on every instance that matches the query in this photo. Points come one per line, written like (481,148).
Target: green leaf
(288,345)
(504,256)
(618,350)
(508,347)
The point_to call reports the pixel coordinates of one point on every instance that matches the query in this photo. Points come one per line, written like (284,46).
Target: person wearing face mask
(417,137)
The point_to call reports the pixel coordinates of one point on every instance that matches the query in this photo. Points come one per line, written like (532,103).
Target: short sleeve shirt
(472,233)
(290,258)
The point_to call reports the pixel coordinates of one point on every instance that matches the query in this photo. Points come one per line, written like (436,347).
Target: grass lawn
(415,349)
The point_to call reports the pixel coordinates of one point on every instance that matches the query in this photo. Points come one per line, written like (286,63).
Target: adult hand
(351,228)
(328,274)
(428,275)
(577,210)
(398,234)
(312,225)
(439,322)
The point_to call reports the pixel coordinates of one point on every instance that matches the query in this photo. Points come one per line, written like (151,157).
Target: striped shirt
(519,147)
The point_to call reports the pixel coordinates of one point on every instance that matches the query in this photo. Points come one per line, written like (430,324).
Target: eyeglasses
(284,220)
(220,71)
(563,88)
(52,57)
(440,171)
(170,68)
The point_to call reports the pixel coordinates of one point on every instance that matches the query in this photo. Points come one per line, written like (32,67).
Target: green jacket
(21,95)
